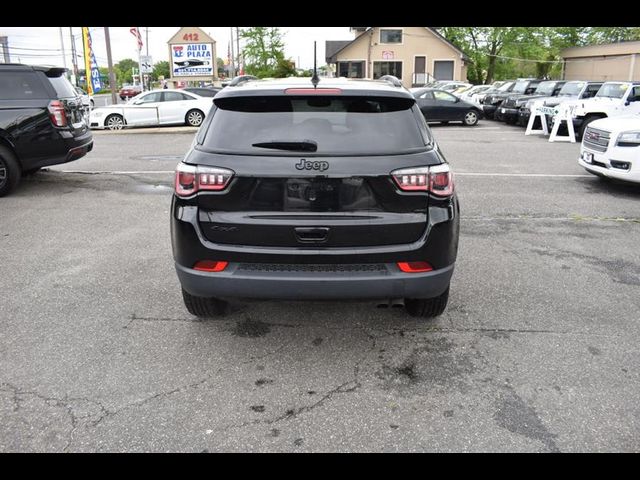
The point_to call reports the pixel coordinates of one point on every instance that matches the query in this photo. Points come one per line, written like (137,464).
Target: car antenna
(315,79)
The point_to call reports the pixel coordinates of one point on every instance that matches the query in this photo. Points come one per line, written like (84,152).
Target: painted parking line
(543,175)
(117,172)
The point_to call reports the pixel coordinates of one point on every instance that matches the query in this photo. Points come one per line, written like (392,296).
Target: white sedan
(611,148)
(157,107)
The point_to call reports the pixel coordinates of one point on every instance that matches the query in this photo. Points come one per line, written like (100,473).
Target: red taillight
(56,113)
(313,91)
(415,267)
(437,179)
(191,179)
(210,266)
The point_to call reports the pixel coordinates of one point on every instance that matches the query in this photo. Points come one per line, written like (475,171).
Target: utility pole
(64,55)
(233,55)
(112,76)
(146,32)
(74,60)
(238,47)
(4,44)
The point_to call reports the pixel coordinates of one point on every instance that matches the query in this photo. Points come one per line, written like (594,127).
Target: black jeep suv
(491,103)
(41,122)
(510,107)
(296,192)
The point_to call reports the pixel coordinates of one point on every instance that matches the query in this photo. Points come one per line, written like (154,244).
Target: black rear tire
(10,171)
(427,307)
(204,307)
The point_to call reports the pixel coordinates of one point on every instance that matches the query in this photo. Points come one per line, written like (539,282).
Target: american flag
(136,33)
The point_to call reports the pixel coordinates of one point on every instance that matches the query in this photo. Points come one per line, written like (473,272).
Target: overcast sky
(41,45)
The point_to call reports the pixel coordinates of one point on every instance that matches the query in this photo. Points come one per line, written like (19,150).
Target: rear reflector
(313,91)
(415,267)
(210,266)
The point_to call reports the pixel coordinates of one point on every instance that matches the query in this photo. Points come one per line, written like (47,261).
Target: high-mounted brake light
(210,266)
(56,113)
(313,91)
(191,179)
(415,267)
(437,179)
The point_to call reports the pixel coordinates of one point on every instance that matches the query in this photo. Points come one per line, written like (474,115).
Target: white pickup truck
(612,100)
(611,148)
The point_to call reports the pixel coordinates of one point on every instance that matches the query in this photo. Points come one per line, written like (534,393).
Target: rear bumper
(70,148)
(315,272)
(386,283)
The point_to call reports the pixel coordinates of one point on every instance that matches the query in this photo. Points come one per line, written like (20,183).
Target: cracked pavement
(537,350)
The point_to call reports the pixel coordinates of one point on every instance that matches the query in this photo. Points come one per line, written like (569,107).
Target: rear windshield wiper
(303,146)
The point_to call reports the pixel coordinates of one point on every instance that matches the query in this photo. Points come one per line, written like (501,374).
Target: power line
(16,47)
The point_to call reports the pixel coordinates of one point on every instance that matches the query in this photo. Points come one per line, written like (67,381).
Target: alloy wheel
(194,119)
(115,122)
(471,118)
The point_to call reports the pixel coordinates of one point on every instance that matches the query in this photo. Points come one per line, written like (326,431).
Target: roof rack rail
(392,80)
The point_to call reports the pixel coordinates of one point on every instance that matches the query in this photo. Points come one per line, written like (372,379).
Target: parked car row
(586,101)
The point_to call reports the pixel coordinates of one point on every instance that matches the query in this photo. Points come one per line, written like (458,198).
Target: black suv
(41,122)
(491,102)
(510,107)
(296,192)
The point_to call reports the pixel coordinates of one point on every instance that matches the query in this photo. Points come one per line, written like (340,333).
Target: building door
(419,71)
(443,69)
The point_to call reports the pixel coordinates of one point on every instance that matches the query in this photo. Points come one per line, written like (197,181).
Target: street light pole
(233,61)
(64,55)
(74,60)
(112,76)
(238,47)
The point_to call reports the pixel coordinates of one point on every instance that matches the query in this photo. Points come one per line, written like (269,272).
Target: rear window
(21,86)
(338,125)
(63,87)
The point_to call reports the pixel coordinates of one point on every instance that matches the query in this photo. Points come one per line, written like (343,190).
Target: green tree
(220,64)
(285,68)
(509,52)
(123,70)
(161,69)
(263,51)
(613,34)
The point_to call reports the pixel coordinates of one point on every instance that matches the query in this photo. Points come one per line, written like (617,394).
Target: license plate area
(587,157)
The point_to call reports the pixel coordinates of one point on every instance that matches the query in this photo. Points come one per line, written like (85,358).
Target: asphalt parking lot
(537,351)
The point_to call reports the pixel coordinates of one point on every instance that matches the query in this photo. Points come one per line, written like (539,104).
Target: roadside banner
(94,84)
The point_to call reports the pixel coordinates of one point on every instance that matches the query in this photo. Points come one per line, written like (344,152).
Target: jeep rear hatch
(313,171)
